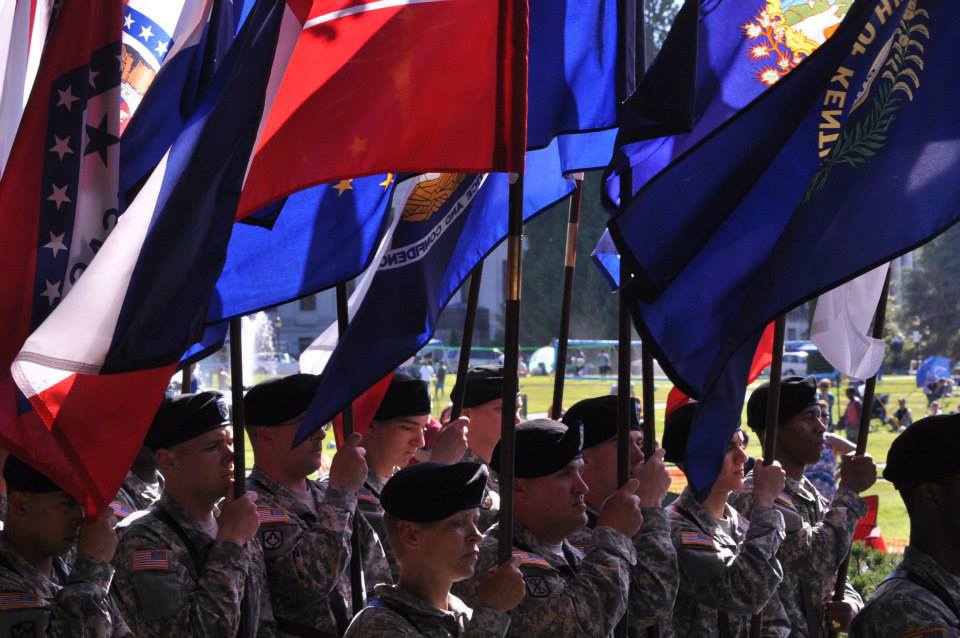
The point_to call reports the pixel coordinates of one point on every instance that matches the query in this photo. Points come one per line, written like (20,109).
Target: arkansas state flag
(395,86)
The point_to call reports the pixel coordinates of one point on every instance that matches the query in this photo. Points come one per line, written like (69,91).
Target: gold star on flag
(343,185)
(386,183)
(358,145)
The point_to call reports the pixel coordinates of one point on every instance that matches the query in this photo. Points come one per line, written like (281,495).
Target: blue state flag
(846,163)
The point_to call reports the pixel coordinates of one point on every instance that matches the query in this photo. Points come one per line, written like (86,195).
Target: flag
(842,321)
(58,202)
(96,368)
(932,370)
(409,73)
(842,165)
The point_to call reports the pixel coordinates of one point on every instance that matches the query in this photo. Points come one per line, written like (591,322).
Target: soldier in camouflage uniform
(569,592)
(306,526)
(728,566)
(141,488)
(431,517)
(185,568)
(819,532)
(921,598)
(653,579)
(42,595)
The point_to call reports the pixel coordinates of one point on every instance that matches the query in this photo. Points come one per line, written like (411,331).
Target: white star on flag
(127,21)
(66,98)
(56,244)
(52,291)
(59,195)
(146,32)
(61,146)
(93,78)
(161,47)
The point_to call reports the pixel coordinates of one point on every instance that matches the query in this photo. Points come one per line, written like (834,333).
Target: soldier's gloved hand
(97,538)
(238,519)
(768,482)
(654,480)
(451,442)
(621,510)
(857,473)
(348,470)
(502,588)
(838,615)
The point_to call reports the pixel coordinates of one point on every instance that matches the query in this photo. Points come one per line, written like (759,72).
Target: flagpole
(239,416)
(510,369)
(771,421)
(623,408)
(466,341)
(357,588)
(569,269)
(186,378)
(865,413)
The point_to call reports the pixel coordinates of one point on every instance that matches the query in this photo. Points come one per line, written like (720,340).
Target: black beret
(405,396)
(599,418)
(543,447)
(185,417)
(23,478)
(796,395)
(928,450)
(428,492)
(676,431)
(483,384)
(277,401)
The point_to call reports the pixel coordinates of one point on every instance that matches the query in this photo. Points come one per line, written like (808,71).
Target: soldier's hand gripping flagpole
(569,269)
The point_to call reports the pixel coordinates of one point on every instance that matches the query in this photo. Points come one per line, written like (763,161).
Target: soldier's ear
(18,503)
(408,533)
(166,460)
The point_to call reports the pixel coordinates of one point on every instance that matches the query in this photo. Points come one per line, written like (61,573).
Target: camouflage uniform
(3,509)
(920,599)
(307,552)
(368,502)
(69,603)
(490,505)
(396,613)
(163,593)
(580,594)
(818,539)
(135,494)
(653,579)
(726,578)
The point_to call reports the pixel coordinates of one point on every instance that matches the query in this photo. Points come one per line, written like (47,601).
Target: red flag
(365,407)
(395,86)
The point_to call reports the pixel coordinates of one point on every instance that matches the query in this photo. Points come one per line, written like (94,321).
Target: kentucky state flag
(847,162)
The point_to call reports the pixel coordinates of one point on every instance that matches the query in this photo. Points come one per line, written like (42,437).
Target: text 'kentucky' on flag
(95,369)
(844,164)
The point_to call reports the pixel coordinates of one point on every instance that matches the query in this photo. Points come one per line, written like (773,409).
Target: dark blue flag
(846,163)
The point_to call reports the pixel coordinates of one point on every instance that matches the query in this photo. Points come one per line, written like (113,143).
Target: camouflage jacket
(490,505)
(653,579)
(135,494)
(368,502)
(920,599)
(396,613)
(580,594)
(818,539)
(163,592)
(308,554)
(725,578)
(69,603)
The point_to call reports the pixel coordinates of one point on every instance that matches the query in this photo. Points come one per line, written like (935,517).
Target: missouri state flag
(395,86)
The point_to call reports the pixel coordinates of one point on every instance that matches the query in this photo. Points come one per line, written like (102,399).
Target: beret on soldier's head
(676,432)
(927,451)
(429,492)
(277,401)
(796,395)
(483,384)
(598,415)
(405,396)
(543,447)
(21,477)
(185,417)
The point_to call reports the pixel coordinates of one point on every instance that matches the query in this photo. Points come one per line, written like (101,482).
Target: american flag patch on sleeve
(18,600)
(151,560)
(696,538)
(120,510)
(267,515)
(526,558)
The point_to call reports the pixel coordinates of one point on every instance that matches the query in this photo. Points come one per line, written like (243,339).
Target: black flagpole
(186,379)
(357,590)
(466,341)
(236,394)
(569,269)
(865,411)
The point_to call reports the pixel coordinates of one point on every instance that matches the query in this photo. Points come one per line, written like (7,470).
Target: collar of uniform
(394,596)
(30,575)
(526,540)
(926,568)
(376,481)
(180,516)
(802,489)
(493,482)
(704,519)
(284,496)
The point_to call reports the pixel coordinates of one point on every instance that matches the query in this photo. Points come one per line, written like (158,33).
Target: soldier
(431,518)
(141,488)
(728,567)
(42,594)
(653,579)
(921,598)
(818,532)
(183,567)
(306,526)
(569,592)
